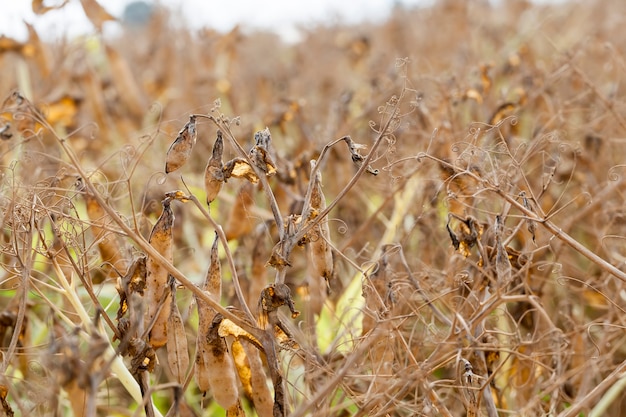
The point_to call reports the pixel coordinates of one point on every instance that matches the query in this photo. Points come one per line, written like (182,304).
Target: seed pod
(213,173)
(110,245)
(253,380)
(180,150)
(156,278)
(220,369)
(261,395)
(212,284)
(177,353)
(320,251)
(239,221)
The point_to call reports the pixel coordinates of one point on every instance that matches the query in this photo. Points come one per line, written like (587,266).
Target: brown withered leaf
(6,407)
(96,14)
(239,168)
(260,153)
(276,260)
(5,131)
(357,158)
(502,112)
(133,282)
(469,231)
(39,8)
(235,410)
(143,357)
(180,150)
(178,195)
(214,171)
(272,298)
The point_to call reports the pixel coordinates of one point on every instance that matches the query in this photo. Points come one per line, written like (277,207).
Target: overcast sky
(221,15)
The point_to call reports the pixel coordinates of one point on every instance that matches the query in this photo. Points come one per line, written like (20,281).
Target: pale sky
(222,15)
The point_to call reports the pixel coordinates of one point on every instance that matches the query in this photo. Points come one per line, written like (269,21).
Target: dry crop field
(419,217)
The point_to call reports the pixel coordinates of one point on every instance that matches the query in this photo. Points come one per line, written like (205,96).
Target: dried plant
(320,228)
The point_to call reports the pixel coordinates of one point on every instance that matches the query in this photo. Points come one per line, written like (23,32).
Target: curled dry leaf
(134,282)
(260,152)
(469,232)
(97,14)
(177,353)
(178,195)
(239,168)
(228,328)
(38,6)
(180,150)
(157,277)
(143,357)
(272,298)
(357,158)
(213,173)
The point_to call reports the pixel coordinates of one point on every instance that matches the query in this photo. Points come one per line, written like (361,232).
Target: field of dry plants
(420,217)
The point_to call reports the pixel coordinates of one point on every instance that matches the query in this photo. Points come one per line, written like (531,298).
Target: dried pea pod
(177,353)
(321,254)
(213,173)
(212,284)
(158,304)
(180,150)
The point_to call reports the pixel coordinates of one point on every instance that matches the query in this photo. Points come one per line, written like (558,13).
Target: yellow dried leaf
(62,112)
(240,168)
(228,328)
(242,366)
(474,95)
(261,394)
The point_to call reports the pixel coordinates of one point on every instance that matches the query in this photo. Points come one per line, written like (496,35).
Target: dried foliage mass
(423,216)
